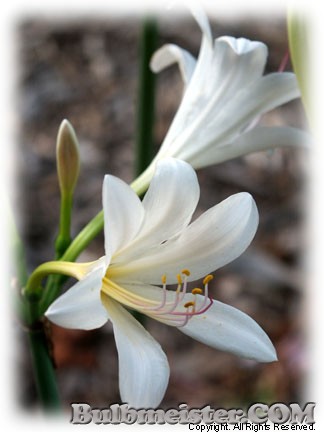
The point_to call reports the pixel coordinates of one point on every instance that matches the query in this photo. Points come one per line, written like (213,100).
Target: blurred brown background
(87,71)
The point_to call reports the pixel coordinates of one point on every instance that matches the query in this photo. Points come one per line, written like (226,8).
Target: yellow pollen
(179,279)
(163,279)
(188,304)
(197,291)
(207,279)
(186,272)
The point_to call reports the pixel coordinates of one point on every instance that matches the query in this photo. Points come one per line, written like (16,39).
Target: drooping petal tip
(228,329)
(170,54)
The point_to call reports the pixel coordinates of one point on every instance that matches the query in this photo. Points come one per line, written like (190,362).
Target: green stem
(28,312)
(146,97)
(64,237)
(43,370)
(19,271)
(33,286)
(141,183)
(81,241)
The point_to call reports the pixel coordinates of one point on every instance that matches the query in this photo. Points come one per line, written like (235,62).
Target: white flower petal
(143,366)
(221,326)
(228,68)
(262,96)
(169,54)
(228,329)
(244,46)
(191,103)
(216,238)
(221,126)
(200,16)
(123,214)
(169,204)
(236,64)
(80,306)
(255,140)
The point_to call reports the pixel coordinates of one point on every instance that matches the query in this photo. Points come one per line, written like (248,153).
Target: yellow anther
(197,291)
(179,279)
(163,279)
(186,272)
(188,304)
(207,279)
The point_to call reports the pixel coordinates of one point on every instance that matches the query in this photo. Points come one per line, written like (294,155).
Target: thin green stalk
(33,288)
(53,285)
(82,240)
(64,237)
(27,311)
(42,361)
(19,269)
(146,97)
(45,378)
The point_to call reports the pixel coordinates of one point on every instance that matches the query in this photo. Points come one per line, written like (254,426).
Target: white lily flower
(224,96)
(150,244)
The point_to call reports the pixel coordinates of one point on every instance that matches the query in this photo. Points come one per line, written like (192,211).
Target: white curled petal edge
(169,54)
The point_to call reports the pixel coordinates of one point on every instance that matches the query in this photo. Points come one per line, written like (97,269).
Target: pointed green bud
(68,167)
(67,157)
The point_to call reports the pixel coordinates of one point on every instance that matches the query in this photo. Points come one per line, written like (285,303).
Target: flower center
(171,307)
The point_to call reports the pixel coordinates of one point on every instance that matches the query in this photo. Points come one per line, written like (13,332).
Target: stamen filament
(164,295)
(206,280)
(198,312)
(179,295)
(164,310)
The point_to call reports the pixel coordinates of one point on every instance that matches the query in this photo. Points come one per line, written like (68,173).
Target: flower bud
(67,157)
